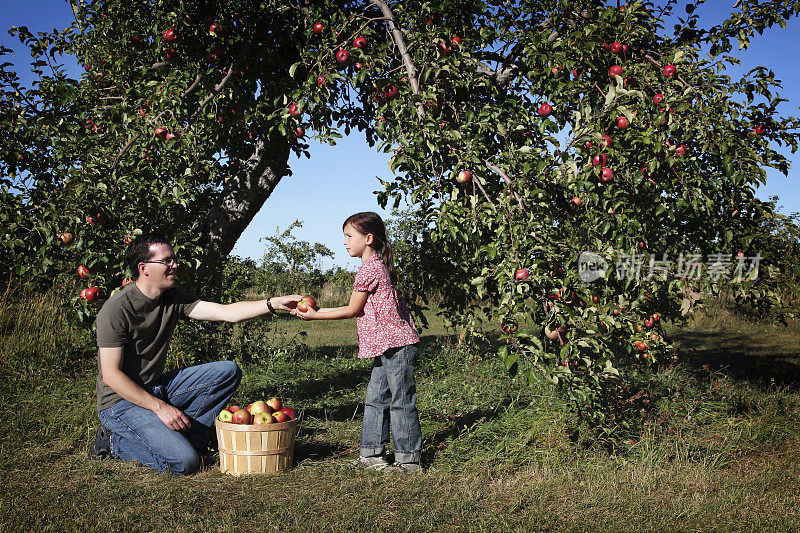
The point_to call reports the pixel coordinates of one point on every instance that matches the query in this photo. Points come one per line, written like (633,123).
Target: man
(160,419)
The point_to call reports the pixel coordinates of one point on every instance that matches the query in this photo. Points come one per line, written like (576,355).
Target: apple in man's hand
(306,303)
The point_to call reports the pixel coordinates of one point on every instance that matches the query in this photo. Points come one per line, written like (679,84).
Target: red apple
(225,416)
(607,140)
(90,294)
(522,273)
(654,337)
(306,303)
(600,160)
(444,49)
(658,98)
(279,416)
(622,122)
(606,175)
(169,35)
(464,176)
(509,325)
(342,56)
(299,132)
(641,346)
(275,404)
(322,80)
(289,412)
(233,408)
(242,416)
(669,71)
(595,299)
(577,201)
(615,70)
(294,110)
(318,27)
(545,110)
(160,131)
(680,150)
(759,130)
(65,237)
(391,91)
(84,271)
(456,40)
(360,43)
(615,47)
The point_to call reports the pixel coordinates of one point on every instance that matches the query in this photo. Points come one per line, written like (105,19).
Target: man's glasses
(169,261)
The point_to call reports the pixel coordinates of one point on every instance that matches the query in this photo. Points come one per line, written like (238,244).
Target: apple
(555,334)
(464,176)
(759,130)
(545,110)
(289,412)
(359,65)
(318,27)
(66,237)
(263,418)
(615,70)
(656,317)
(225,416)
(215,28)
(391,91)
(242,416)
(641,346)
(648,322)
(169,136)
(456,40)
(615,47)
(641,244)
(600,160)
(279,417)
(342,56)
(669,71)
(322,80)
(577,201)
(160,131)
(84,271)
(294,110)
(233,408)
(90,294)
(360,43)
(275,404)
(258,407)
(607,140)
(522,273)
(681,150)
(509,325)
(606,175)
(622,122)
(169,35)
(306,303)
(658,98)
(654,337)
(444,49)
(299,132)
(595,299)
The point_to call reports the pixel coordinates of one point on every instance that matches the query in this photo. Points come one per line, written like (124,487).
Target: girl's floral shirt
(385,322)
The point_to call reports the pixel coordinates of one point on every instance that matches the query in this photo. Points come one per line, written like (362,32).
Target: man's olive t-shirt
(142,327)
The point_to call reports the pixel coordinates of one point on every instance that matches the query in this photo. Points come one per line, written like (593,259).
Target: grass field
(722,455)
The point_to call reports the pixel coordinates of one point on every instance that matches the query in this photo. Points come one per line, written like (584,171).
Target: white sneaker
(411,468)
(372,463)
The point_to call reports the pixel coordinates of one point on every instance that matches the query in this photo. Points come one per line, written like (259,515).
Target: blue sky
(341,180)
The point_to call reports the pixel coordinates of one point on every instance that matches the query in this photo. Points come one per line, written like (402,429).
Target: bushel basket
(255,448)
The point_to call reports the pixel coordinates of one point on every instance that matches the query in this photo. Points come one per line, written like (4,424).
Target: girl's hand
(307,315)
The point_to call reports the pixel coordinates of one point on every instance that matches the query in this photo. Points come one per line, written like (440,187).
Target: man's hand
(285,303)
(172,417)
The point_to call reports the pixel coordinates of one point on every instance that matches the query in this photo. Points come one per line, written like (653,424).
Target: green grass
(720,453)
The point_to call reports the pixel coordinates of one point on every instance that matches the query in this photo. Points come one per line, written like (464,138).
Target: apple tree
(522,135)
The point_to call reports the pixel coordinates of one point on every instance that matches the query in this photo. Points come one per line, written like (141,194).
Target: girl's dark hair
(139,250)
(369,222)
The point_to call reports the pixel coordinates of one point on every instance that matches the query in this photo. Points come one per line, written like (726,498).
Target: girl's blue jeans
(392,397)
(201,392)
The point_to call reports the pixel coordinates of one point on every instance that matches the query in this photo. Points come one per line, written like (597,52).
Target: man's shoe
(102,444)
(408,468)
(372,463)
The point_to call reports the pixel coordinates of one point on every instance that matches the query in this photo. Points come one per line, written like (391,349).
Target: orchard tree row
(522,134)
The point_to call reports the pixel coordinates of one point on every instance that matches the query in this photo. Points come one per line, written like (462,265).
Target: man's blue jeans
(201,392)
(392,395)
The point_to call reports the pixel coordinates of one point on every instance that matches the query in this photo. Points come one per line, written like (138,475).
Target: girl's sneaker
(373,463)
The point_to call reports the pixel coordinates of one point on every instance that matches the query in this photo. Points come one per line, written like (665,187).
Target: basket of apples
(258,439)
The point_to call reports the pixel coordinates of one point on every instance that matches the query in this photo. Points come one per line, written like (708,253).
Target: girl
(387,334)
